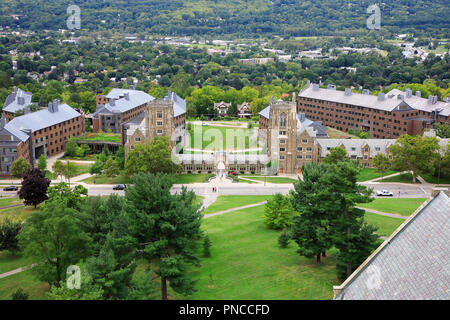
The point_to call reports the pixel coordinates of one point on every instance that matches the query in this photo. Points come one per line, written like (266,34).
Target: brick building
(118,107)
(42,132)
(17,100)
(384,116)
(162,117)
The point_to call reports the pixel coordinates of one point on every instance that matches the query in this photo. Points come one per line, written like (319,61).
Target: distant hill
(243,18)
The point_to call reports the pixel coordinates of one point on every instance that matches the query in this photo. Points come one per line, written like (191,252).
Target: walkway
(16,271)
(392,215)
(234,209)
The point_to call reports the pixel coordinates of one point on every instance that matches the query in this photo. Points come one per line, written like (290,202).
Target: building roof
(412,264)
(122,100)
(390,101)
(17,100)
(265,112)
(179,104)
(42,119)
(354,147)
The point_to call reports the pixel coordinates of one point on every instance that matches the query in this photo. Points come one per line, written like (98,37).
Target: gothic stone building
(162,117)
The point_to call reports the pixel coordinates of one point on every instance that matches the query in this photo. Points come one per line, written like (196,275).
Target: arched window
(283,120)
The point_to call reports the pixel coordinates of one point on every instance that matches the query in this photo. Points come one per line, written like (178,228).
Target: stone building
(222,108)
(42,132)
(118,107)
(386,116)
(162,117)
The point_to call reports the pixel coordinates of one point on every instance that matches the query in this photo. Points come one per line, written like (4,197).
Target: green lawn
(369,173)
(4,202)
(101,136)
(10,262)
(228,202)
(25,280)
(272,179)
(18,212)
(192,178)
(247,263)
(402,178)
(386,225)
(211,133)
(403,206)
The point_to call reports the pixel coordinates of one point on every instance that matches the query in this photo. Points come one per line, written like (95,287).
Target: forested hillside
(243,18)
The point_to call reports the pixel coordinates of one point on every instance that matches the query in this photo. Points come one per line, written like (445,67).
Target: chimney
(308,83)
(316,87)
(434,100)
(55,105)
(331,87)
(408,93)
(381,96)
(401,97)
(112,102)
(15,89)
(3,122)
(301,116)
(272,100)
(348,91)
(418,94)
(127,96)
(366,91)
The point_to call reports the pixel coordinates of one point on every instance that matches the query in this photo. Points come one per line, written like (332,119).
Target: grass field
(18,212)
(369,173)
(4,202)
(336,134)
(386,225)
(10,262)
(209,134)
(228,202)
(435,180)
(247,263)
(402,178)
(403,206)
(101,179)
(25,280)
(192,178)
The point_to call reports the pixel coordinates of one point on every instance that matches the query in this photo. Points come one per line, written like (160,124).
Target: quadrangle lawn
(403,206)
(228,202)
(369,173)
(386,225)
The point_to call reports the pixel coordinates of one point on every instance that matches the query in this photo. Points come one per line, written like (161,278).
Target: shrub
(206,246)
(283,239)
(19,294)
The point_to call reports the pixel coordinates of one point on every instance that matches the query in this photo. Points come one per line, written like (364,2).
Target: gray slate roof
(119,103)
(413,264)
(41,119)
(357,144)
(17,100)
(179,104)
(390,102)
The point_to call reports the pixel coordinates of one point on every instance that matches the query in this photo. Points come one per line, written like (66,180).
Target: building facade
(386,116)
(162,117)
(16,101)
(222,108)
(35,133)
(118,107)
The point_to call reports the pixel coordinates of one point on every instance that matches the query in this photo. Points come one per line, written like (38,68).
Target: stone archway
(221,169)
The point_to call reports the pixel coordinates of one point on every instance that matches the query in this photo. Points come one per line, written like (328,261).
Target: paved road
(406,190)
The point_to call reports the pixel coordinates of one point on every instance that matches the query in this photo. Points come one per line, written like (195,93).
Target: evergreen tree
(206,246)
(283,239)
(166,226)
(9,231)
(336,155)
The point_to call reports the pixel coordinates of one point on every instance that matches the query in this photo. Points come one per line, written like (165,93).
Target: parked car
(120,187)
(10,188)
(384,193)
(234,173)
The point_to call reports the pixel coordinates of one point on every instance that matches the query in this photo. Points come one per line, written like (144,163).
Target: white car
(384,193)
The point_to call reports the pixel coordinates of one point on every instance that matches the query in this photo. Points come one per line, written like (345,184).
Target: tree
(19,167)
(415,153)
(9,230)
(278,212)
(20,294)
(166,226)
(442,130)
(58,169)
(154,158)
(283,239)
(112,263)
(311,228)
(96,168)
(34,187)
(337,154)
(71,147)
(53,237)
(111,169)
(70,197)
(206,246)
(42,163)
(381,163)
